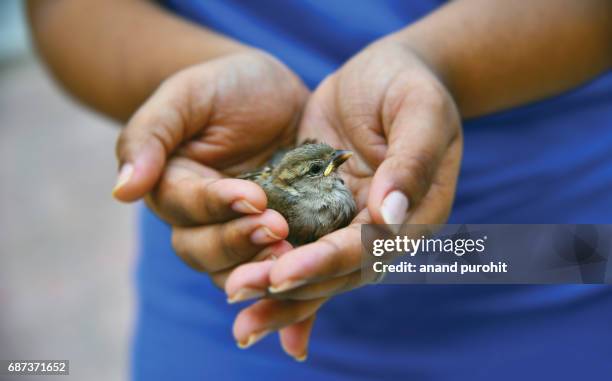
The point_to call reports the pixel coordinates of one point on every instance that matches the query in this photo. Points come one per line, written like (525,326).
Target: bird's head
(310,164)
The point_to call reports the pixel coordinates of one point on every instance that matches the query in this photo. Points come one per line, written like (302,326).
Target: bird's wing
(256,176)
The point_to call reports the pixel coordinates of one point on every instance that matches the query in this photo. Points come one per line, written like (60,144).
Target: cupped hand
(203,124)
(391,109)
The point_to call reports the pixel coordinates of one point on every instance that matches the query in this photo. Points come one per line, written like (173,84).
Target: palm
(375,97)
(321,123)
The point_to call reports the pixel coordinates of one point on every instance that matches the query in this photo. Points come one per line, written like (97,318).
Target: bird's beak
(340,156)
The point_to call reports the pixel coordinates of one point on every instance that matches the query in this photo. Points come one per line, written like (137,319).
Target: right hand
(203,124)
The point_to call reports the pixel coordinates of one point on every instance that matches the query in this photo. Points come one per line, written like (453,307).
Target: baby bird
(304,186)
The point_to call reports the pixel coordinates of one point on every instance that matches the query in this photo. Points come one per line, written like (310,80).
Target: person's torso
(548,162)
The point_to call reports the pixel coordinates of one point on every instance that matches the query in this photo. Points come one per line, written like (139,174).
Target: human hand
(391,109)
(203,124)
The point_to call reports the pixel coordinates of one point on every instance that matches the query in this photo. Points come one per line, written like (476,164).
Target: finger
(325,288)
(268,254)
(251,280)
(294,338)
(417,140)
(267,315)
(436,205)
(333,255)
(213,248)
(190,194)
(152,134)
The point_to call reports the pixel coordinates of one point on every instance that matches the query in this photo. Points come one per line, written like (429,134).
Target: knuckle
(432,95)
(182,251)
(178,244)
(230,238)
(142,132)
(208,201)
(419,172)
(178,85)
(163,201)
(165,133)
(208,210)
(421,163)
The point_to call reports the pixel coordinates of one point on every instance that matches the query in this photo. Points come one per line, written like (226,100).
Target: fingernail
(394,208)
(286,286)
(245,207)
(245,293)
(301,358)
(124,176)
(252,339)
(263,235)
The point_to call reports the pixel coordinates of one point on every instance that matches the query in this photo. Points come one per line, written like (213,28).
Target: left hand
(391,109)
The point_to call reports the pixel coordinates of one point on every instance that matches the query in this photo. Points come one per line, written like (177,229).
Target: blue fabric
(549,162)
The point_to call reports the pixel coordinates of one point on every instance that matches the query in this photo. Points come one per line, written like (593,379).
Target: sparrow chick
(304,186)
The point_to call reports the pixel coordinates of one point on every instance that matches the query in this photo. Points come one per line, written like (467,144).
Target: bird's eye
(315,169)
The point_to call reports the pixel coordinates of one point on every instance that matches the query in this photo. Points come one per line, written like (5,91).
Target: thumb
(152,134)
(417,141)
(142,157)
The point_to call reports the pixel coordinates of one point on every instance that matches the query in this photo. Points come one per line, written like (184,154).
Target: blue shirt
(548,162)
